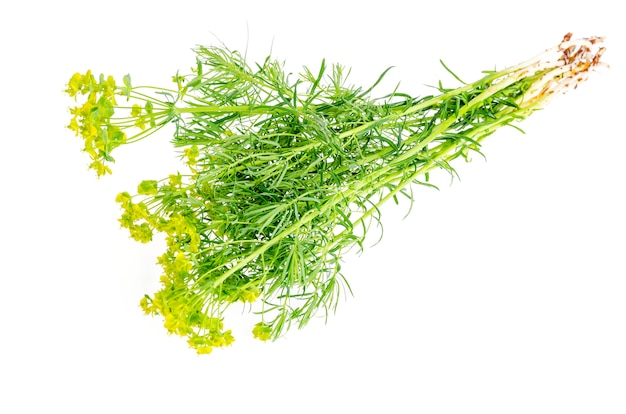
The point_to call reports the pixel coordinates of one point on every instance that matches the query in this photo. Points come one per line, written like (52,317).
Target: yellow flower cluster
(136,218)
(180,302)
(92,119)
(179,308)
(180,231)
(262,331)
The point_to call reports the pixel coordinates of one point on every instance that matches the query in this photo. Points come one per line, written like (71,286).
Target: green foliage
(286,174)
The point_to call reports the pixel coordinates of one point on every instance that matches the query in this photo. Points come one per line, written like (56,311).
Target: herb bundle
(285,174)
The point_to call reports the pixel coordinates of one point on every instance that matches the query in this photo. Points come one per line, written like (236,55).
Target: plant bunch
(285,173)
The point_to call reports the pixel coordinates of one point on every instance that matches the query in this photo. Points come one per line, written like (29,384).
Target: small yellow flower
(182,264)
(142,233)
(228,338)
(136,111)
(74,85)
(179,80)
(100,168)
(109,86)
(262,331)
(123,198)
(100,145)
(176,180)
(73,126)
(165,281)
(138,211)
(141,123)
(146,305)
(85,110)
(192,154)
(173,324)
(204,350)
(249,295)
(126,221)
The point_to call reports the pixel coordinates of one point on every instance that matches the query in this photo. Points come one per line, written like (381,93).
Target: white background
(502,293)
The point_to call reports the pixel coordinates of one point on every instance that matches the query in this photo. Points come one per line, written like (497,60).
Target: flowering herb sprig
(285,175)
(96,124)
